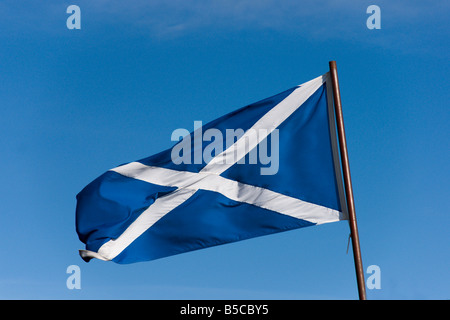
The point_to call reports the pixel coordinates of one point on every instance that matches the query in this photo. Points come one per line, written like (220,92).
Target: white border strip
(335,149)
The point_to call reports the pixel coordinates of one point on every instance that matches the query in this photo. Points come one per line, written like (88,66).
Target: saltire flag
(165,204)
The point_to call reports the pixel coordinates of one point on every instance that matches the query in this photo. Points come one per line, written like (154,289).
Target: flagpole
(347,182)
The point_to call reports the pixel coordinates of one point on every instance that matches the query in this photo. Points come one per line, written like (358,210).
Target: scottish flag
(271,166)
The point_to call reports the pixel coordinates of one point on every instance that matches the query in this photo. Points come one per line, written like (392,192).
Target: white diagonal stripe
(188,183)
(234,190)
(149,217)
(269,122)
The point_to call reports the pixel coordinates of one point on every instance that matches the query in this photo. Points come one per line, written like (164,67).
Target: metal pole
(347,182)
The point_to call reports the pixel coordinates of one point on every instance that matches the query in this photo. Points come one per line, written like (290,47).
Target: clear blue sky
(75,103)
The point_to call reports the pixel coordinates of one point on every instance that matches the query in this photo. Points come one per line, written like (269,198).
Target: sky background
(75,103)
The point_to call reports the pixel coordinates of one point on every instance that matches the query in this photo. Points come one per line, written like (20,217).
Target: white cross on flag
(207,191)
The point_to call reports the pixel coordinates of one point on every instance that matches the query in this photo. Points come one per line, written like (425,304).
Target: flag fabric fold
(280,171)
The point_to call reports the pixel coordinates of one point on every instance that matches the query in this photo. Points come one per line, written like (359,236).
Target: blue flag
(268,167)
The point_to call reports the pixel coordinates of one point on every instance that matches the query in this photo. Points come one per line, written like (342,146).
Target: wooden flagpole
(347,182)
